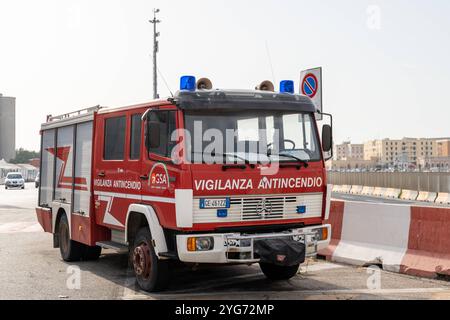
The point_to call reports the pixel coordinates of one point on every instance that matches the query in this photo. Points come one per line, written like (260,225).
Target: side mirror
(152,136)
(327,138)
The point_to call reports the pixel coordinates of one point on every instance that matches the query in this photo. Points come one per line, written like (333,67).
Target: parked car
(14,180)
(37,181)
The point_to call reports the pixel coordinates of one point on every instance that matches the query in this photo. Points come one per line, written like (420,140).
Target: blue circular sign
(310,85)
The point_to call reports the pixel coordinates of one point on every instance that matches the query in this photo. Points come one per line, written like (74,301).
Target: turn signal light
(191,244)
(200,243)
(324,233)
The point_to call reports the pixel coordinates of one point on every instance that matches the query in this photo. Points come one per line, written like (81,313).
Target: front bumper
(14,185)
(238,247)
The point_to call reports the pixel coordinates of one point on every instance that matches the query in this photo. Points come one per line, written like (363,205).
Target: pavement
(31,269)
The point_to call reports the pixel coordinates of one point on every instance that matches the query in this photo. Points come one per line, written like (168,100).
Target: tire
(152,274)
(70,250)
(91,253)
(23,187)
(274,272)
(6,188)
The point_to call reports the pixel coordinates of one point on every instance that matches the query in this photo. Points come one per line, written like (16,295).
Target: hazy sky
(386,77)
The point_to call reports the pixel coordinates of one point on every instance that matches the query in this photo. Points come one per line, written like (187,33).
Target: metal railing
(420,181)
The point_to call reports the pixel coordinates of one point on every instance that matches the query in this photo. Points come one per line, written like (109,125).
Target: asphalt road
(372,199)
(31,269)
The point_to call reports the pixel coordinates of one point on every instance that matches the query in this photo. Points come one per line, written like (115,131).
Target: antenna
(155,51)
(270,62)
(165,82)
(164,79)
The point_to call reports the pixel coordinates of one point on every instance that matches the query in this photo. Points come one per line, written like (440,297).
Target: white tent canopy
(28,171)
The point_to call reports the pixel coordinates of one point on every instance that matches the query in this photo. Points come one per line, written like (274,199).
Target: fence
(420,181)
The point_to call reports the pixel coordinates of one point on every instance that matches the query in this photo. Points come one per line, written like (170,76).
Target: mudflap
(44,216)
(280,251)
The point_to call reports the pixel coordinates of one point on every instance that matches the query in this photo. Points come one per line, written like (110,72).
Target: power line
(270,62)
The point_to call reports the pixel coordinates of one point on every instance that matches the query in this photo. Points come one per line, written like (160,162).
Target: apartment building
(349,151)
(400,152)
(443,146)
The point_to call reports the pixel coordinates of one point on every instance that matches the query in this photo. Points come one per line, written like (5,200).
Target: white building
(6,168)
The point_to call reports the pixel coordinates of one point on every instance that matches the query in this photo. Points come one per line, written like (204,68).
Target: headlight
(200,243)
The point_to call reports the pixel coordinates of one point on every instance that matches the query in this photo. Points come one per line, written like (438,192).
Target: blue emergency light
(187,83)
(287,86)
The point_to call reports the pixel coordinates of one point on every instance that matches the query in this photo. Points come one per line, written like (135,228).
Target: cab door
(159,175)
(111,180)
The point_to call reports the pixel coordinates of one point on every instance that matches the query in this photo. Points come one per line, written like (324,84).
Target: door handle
(101,174)
(144,177)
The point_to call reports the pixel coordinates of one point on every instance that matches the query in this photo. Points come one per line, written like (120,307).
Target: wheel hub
(142,260)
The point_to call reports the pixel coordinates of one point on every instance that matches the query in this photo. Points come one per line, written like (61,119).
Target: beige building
(349,151)
(373,150)
(438,163)
(443,147)
(400,152)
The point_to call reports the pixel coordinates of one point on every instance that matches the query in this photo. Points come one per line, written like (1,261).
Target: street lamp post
(155,51)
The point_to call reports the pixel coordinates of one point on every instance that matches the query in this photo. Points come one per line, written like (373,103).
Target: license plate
(215,203)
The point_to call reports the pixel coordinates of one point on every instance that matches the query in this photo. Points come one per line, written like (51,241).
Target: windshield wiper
(288,155)
(225,155)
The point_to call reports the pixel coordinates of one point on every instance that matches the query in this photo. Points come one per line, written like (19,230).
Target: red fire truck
(146,180)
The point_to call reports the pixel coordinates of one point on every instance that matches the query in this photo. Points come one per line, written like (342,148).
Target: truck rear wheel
(151,273)
(274,272)
(70,250)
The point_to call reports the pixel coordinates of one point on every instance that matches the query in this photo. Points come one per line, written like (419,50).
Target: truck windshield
(253,135)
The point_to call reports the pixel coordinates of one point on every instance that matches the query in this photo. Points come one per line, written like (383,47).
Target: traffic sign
(311,86)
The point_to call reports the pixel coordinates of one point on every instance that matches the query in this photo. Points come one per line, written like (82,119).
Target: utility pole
(155,51)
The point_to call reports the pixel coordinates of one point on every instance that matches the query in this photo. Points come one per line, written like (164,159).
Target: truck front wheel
(152,274)
(274,272)
(70,250)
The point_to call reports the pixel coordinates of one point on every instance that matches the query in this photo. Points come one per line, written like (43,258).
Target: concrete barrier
(356,189)
(336,188)
(402,238)
(335,219)
(392,193)
(428,252)
(409,195)
(367,191)
(346,188)
(373,234)
(379,192)
(443,198)
(425,196)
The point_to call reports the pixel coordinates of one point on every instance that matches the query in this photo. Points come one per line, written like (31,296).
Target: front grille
(257,208)
(251,207)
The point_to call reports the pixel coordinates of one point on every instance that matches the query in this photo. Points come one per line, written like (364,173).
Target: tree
(24,156)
